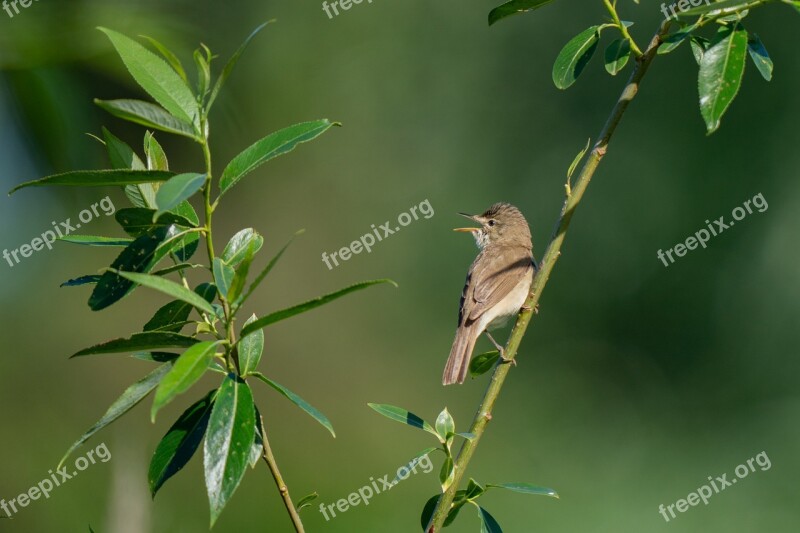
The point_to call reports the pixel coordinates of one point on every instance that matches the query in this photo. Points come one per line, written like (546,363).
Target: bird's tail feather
(455,371)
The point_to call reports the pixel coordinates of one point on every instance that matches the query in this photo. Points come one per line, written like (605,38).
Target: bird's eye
(491,222)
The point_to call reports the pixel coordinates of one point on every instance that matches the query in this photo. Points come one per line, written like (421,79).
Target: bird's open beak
(467,230)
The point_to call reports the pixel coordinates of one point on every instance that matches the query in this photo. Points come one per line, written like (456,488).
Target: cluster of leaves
(720,56)
(445,432)
(194,333)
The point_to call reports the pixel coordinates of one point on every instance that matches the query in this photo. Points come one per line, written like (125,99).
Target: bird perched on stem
(497,284)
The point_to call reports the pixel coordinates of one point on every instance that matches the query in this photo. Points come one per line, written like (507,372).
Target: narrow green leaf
(180,442)
(721,71)
(156,157)
(172,316)
(268,269)
(719,8)
(140,256)
(203,74)
(170,288)
(515,7)
(171,58)
(241,273)
(447,473)
(271,146)
(305,501)
(445,425)
(474,490)
(674,40)
(578,159)
(186,371)
(308,306)
(83,280)
(617,55)
(156,77)
(250,349)
(398,414)
(315,413)
(148,115)
(175,268)
(176,190)
(488,523)
(257,448)
(96,178)
(482,363)
(760,56)
(468,436)
(699,46)
(223,276)
(227,446)
(140,342)
(574,57)
(136,221)
(236,249)
(427,511)
(524,488)
(185,249)
(120,155)
(93,240)
(129,399)
(156,357)
(226,72)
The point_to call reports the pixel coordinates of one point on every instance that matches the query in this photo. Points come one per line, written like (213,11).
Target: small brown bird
(497,285)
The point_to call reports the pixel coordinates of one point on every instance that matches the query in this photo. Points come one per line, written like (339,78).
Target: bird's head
(500,224)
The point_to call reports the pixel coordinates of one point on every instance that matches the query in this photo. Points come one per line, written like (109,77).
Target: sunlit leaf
(721,71)
(226,72)
(129,399)
(514,7)
(315,413)
(230,433)
(176,190)
(148,115)
(398,414)
(96,178)
(308,306)
(140,342)
(169,287)
(271,146)
(574,57)
(187,369)
(156,77)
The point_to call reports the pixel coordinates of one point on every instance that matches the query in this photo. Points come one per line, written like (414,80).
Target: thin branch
(484,414)
(612,9)
(276,474)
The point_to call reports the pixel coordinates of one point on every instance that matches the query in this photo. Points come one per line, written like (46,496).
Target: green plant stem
(207,200)
(612,9)
(276,474)
(484,413)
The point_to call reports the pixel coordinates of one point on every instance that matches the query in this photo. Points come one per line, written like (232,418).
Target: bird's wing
(504,267)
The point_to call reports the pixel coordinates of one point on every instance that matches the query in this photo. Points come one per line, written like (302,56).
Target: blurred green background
(635,383)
